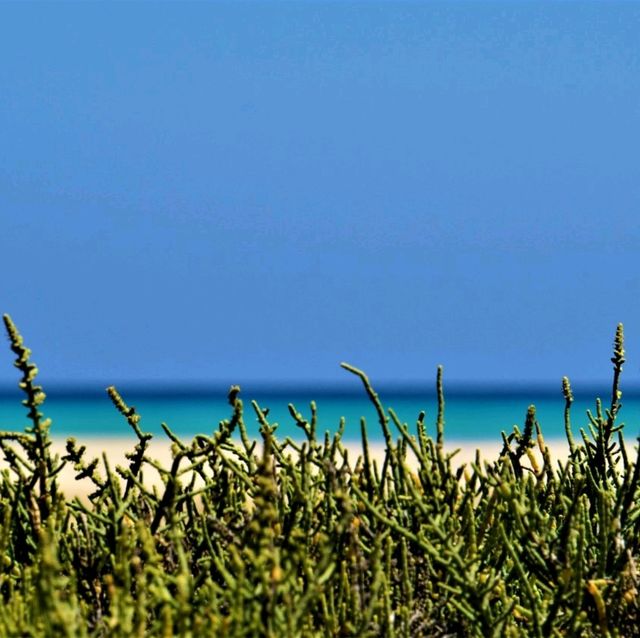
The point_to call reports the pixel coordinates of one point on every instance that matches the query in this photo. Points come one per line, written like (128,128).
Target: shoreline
(116,448)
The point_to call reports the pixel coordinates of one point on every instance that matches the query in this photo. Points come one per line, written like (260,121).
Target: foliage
(286,538)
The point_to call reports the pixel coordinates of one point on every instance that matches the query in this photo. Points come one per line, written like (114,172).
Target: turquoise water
(474,414)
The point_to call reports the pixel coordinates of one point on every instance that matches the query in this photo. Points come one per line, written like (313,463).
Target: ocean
(471,413)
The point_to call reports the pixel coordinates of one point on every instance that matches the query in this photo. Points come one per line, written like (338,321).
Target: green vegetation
(288,539)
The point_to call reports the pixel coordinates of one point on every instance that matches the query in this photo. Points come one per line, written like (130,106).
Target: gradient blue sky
(238,191)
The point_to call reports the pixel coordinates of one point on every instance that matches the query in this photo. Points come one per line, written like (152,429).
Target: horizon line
(347,388)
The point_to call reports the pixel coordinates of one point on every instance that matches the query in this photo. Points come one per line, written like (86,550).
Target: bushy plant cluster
(297,538)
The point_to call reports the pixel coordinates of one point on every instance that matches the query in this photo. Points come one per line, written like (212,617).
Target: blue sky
(231,191)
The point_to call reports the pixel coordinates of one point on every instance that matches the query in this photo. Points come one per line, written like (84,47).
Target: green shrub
(291,538)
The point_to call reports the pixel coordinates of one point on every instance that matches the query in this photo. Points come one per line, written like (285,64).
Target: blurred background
(199,194)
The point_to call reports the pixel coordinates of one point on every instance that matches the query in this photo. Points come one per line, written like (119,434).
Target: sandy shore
(116,448)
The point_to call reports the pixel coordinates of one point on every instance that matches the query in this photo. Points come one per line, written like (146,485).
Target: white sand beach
(115,449)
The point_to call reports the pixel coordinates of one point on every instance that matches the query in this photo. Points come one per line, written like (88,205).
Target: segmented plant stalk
(302,539)
(37,445)
(568,399)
